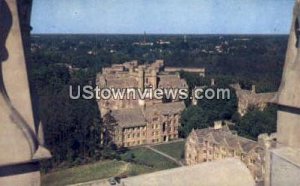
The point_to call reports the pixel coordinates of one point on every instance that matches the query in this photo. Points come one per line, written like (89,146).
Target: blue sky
(162,16)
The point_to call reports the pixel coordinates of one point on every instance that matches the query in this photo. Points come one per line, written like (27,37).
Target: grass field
(150,158)
(145,161)
(176,149)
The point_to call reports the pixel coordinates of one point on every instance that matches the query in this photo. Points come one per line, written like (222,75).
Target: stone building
(218,142)
(131,75)
(141,120)
(248,98)
(200,71)
(157,123)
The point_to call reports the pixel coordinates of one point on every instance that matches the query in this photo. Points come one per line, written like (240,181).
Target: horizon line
(160,33)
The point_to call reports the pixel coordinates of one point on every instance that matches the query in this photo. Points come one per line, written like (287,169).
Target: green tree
(206,112)
(256,122)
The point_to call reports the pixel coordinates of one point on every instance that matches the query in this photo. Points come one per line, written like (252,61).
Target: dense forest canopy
(250,59)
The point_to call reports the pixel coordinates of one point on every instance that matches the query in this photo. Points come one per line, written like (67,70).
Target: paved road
(165,155)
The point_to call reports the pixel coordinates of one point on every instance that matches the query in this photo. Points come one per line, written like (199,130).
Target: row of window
(136,135)
(134,129)
(231,153)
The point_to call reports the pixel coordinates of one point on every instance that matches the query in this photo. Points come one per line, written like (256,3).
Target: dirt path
(166,155)
(124,168)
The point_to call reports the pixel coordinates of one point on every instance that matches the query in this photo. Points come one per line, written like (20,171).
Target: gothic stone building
(248,98)
(155,124)
(141,121)
(218,142)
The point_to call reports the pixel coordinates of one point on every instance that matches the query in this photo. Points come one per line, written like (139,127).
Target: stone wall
(249,98)
(204,145)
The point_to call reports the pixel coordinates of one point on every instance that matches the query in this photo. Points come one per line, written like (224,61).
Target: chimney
(212,82)
(253,90)
(218,125)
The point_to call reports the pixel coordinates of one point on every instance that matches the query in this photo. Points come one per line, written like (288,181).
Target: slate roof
(165,108)
(134,117)
(127,118)
(226,138)
(171,81)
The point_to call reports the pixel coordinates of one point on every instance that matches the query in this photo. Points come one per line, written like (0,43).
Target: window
(252,161)
(128,136)
(164,127)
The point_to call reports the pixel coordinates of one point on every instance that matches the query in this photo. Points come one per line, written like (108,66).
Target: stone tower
(289,92)
(283,162)
(21,135)
(154,78)
(141,77)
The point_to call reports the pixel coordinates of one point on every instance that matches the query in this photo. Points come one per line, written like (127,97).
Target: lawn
(142,161)
(176,149)
(147,157)
(83,173)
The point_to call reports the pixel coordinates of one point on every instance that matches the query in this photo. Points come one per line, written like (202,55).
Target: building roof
(124,82)
(171,81)
(221,172)
(165,108)
(225,137)
(127,118)
(253,97)
(133,117)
